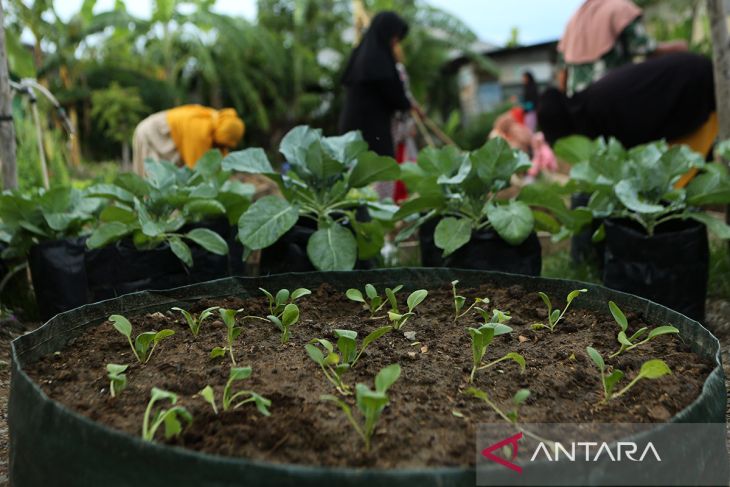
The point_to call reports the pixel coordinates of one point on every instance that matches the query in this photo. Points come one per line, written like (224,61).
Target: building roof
(496,52)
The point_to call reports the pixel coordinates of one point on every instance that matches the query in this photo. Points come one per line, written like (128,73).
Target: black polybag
(670,268)
(59,275)
(582,247)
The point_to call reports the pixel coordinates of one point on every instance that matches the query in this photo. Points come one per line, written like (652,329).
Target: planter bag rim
(130,441)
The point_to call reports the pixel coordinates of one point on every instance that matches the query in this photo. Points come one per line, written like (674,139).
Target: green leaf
(618,315)
(149,226)
(622,339)
(355,295)
(375,335)
(266,221)
(314,353)
(596,358)
(217,352)
(387,377)
(662,330)
(290,315)
(251,161)
(181,250)
(209,395)
(611,380)
(345,148)
(117,214)
(574,149)
(122,325)
(513,222)
(110,191)
(370,291)
(416,298)
(719,228)
(451,234)
(107,233)
(209,240)
(518,359)
(299,293)
(574,294)
(346,344)
(419,205)
(116,369)
(627,192)
(142,343)
(295,144)
(371,167)
(162,334)
(546,299)
(332,248)
(239,373)
(521,396)
(204,207)
(653,369)
(496,162)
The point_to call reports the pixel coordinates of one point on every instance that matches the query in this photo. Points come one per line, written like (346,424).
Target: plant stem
(629,386)
(146,422)
(134,350)
(495,362)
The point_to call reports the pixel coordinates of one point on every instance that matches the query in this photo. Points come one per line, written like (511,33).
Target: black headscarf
(373,59)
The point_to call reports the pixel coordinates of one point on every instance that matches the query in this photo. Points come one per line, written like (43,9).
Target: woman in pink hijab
(603,35)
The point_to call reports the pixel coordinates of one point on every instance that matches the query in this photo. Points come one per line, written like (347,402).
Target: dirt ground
(718,321)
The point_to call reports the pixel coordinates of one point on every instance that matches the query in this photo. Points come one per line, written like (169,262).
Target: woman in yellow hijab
(183,134)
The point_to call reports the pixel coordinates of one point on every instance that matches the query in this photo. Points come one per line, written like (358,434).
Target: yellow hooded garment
(196,129)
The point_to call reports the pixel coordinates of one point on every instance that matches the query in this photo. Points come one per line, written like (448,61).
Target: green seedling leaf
(596,358)
(355,295)
(370,291)
(117,378)
(618,315)
(300,293)
(653,369)
(122,325)
(346,344)
(387,377)
(181,250)
(662,330)
(416,298)
(171,418)
(217,352)
(611,380)
(521,396)
(209,395)
(209,240)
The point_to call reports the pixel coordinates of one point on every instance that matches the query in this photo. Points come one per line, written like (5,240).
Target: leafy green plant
(153,210)
(398,319)
(117,378)
(145,343)
(460,301)
(482,337)
(283,297)
(370,403)
(647,184)
(335,364)
(320,186)
(372,300)
(651,369)
(172,418)
(631,342)
(462,189)
(232,332)
(289,317)
(511,416)
(230,398)
(194,322)
(555,315)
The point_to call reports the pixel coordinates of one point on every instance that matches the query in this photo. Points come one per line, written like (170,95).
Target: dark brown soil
(430,421)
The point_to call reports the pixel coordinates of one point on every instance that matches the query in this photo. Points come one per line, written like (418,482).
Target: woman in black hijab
(668,97)
(374,88)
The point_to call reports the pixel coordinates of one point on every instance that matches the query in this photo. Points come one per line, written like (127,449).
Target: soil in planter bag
(42,431)
(670,268)
(485,251)
(289,253)
(59,275)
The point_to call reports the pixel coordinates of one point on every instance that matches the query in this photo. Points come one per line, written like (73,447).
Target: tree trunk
(7,129)
(721,64)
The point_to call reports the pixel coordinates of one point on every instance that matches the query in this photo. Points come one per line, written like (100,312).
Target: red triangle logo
(512,440)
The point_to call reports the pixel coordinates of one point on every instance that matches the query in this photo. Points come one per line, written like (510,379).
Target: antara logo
(588,451)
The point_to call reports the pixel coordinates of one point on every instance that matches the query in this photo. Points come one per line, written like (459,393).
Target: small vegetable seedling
(117,378)
(194,322)
(397,320)
(370,403)
(171,418)
(335,364)
(517,400)
(288,317)
(481,338)
(230,398)
(554,315)
(278,303)
(145,343)
(651,369)
(459,302)
(372,300)
(629,343)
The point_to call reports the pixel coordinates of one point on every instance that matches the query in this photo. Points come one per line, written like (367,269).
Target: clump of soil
(429,422)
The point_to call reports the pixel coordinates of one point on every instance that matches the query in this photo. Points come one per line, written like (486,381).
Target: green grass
(718,284)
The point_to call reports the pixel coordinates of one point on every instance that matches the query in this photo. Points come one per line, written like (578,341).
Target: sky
(491,20)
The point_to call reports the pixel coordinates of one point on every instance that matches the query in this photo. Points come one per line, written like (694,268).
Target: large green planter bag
(50,445)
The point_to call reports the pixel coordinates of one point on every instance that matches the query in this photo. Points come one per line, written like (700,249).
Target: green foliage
(117,111)
(232,400)
(288,318)
(324,172)
(145,343)
(641,183)
(117,378)
(372,299)
(517,400)
(152,210)
(172,418)
(631,342)
(334,364)
(228,316)
(460,301)
(370,403)
(398,319)
(278,303)
(482,337)
(461,188)
(651,369)
(555,315)
(194,322)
